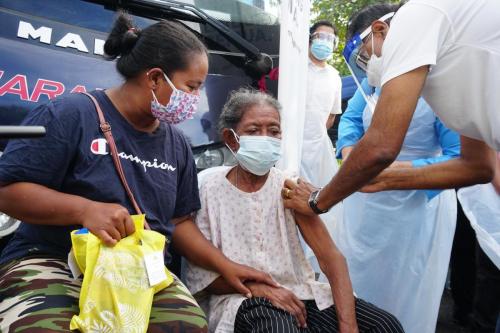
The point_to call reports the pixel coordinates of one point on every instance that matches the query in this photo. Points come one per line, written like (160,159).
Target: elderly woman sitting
(242,214)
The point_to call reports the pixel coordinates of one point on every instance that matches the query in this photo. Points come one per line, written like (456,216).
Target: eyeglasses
(362,56)
(329,37)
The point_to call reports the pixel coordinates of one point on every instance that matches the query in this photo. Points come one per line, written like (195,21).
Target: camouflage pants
(40,295)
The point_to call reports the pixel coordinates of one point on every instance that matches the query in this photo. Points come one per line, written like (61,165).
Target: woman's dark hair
(364,18)
(239,102)
(166,44)
(321,23)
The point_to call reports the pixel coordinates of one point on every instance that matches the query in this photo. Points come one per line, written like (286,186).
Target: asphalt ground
(445,322)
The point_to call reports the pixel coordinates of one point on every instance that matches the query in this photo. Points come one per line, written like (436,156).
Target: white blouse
(256,230)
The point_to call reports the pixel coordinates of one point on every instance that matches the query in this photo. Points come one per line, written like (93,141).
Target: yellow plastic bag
(116,293)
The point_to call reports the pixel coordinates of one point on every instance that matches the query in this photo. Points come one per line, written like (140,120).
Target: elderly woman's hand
(283,299)
(296,195)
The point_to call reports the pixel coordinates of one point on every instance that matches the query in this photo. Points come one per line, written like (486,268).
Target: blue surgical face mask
(257,154)
(321,49)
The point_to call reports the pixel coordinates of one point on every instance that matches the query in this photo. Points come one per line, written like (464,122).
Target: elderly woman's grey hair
(240,101)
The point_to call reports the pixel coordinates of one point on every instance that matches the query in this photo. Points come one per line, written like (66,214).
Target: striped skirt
(258,315)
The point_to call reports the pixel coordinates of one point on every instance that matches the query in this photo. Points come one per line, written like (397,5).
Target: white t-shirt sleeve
(337,102)
(416,37)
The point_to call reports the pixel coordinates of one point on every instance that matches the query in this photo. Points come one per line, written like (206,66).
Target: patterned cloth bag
(119,282)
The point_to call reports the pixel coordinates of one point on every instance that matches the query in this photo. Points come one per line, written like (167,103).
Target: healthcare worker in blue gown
(398,243)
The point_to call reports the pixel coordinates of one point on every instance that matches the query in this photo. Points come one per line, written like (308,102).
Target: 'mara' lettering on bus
(69,40)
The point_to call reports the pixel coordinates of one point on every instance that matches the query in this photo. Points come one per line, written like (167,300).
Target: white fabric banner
(294,48)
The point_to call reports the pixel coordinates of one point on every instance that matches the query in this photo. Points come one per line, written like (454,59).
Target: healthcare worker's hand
(377,184)
(110,222)
(401,164)
(296,196)
(380,183)
(283,299)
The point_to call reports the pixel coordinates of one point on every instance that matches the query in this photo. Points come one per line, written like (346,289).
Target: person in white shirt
(323,103)
(242,214)
(398,243)
(448,51)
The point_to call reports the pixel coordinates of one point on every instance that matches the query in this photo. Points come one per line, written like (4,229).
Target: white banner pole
(294,48)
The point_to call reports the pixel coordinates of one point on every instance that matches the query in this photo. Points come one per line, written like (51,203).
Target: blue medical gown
(398,243)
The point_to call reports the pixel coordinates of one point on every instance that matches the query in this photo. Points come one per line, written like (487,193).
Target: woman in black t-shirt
(67,180)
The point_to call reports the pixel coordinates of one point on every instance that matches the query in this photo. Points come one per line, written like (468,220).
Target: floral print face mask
(181,106)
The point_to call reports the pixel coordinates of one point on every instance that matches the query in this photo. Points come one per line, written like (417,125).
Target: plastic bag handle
(106,130)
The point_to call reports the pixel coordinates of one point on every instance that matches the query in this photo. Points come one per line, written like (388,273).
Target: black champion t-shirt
(74,158)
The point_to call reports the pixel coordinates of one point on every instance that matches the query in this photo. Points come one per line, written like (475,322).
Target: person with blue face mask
(323,103)
(323,83)
(242,213)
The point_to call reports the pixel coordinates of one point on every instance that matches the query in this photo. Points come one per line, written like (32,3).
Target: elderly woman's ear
(230,139)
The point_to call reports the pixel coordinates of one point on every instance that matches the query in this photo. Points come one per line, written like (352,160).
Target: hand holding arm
(475,165)
(381,143)
(191,243)
(280,297)
(220,287)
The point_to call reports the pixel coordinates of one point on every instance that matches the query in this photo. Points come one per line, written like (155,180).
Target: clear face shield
(356,57)
(327,38)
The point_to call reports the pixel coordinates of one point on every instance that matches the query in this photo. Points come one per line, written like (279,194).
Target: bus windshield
(260,12)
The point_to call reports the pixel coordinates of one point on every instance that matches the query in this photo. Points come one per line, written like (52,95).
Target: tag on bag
(155,267)
(73,267)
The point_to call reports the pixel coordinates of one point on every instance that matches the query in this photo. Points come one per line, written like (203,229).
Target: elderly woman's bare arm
(333,265)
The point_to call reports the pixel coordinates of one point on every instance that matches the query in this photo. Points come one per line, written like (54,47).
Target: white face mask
(257,154)
(374,68)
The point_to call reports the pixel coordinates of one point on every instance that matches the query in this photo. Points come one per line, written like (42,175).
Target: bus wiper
(259,63)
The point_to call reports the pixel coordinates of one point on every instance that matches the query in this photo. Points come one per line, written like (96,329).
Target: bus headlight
(7,224)
(209,158)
